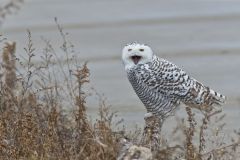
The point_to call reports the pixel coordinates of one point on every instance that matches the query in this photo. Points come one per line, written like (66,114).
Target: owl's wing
(171,80)
(166,78)
(168,85)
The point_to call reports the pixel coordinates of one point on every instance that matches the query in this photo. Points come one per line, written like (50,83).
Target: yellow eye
(129,49)
(141,50)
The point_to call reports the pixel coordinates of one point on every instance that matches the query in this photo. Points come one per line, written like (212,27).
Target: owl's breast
(143,85)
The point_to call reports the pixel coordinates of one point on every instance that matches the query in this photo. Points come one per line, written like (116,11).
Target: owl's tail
(216,98)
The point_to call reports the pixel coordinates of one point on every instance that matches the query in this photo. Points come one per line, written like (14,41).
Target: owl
(162,86)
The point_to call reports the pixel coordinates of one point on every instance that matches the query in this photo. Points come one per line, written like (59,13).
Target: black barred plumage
(161,85)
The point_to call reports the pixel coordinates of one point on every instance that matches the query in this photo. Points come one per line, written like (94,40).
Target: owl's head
(135,53)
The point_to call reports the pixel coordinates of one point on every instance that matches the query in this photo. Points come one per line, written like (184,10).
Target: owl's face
(135,53)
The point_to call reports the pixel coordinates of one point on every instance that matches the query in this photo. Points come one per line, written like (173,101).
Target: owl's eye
(129,49)
(141,50)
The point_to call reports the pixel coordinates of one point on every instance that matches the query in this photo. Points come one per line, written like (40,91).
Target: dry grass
(34,122)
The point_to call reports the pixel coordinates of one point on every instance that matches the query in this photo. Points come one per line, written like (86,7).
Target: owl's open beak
(136,59)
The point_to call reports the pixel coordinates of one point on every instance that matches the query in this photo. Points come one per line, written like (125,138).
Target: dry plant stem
(203,128)
(65,47)
(9,75)
(64,66)
(151,135)
(189,133)
(201,136)
(222,149)
(9,63)
(82,75)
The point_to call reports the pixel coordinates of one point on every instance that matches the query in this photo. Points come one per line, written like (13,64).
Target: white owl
(161,85)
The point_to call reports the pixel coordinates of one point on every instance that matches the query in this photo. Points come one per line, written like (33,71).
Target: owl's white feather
(161,85)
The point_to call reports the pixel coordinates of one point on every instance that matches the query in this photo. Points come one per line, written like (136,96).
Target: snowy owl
(161,85)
